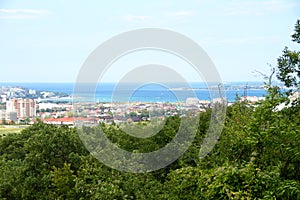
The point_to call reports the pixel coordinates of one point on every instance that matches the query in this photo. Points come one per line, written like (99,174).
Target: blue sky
(48,41)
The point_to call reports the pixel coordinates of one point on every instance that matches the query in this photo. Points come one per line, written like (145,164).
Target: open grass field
(6,129)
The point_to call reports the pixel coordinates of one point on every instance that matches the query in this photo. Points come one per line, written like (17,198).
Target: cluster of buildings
(20,105)
(18,110)
(16,106)
(11,92)
(94,113)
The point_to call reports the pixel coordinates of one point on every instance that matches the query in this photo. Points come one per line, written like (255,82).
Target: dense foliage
(256,157)
(289,63)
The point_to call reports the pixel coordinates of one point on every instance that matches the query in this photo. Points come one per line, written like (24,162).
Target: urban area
(24,106)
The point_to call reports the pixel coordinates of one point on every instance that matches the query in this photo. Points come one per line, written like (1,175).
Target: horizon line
(54,82)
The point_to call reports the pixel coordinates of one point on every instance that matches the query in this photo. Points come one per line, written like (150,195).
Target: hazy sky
(48,41)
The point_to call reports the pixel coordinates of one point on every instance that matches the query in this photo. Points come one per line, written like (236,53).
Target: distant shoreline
(147,93)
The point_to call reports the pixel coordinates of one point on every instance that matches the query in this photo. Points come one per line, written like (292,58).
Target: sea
(152,92)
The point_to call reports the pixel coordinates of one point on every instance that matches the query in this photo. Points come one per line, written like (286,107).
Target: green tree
(289,62)
(26,120)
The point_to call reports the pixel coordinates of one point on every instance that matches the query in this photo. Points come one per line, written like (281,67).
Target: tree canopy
(289,63)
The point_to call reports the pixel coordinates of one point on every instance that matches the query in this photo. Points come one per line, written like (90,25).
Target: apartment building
(23,107)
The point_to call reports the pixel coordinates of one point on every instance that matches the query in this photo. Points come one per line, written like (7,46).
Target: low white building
(191,101)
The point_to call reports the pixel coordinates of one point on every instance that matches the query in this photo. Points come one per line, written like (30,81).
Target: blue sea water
(105,92)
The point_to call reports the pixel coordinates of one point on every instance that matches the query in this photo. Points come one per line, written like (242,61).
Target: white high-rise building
(23,107)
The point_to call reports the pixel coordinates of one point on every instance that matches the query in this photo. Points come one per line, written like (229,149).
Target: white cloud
(242,40)
(21,13)
(136,18)
(258,7)
(158,18)
(180,14)
(183,13)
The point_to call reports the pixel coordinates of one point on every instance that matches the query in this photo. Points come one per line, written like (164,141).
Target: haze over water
(152,92)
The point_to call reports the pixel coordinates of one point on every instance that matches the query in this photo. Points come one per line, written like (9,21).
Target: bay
(105,92)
